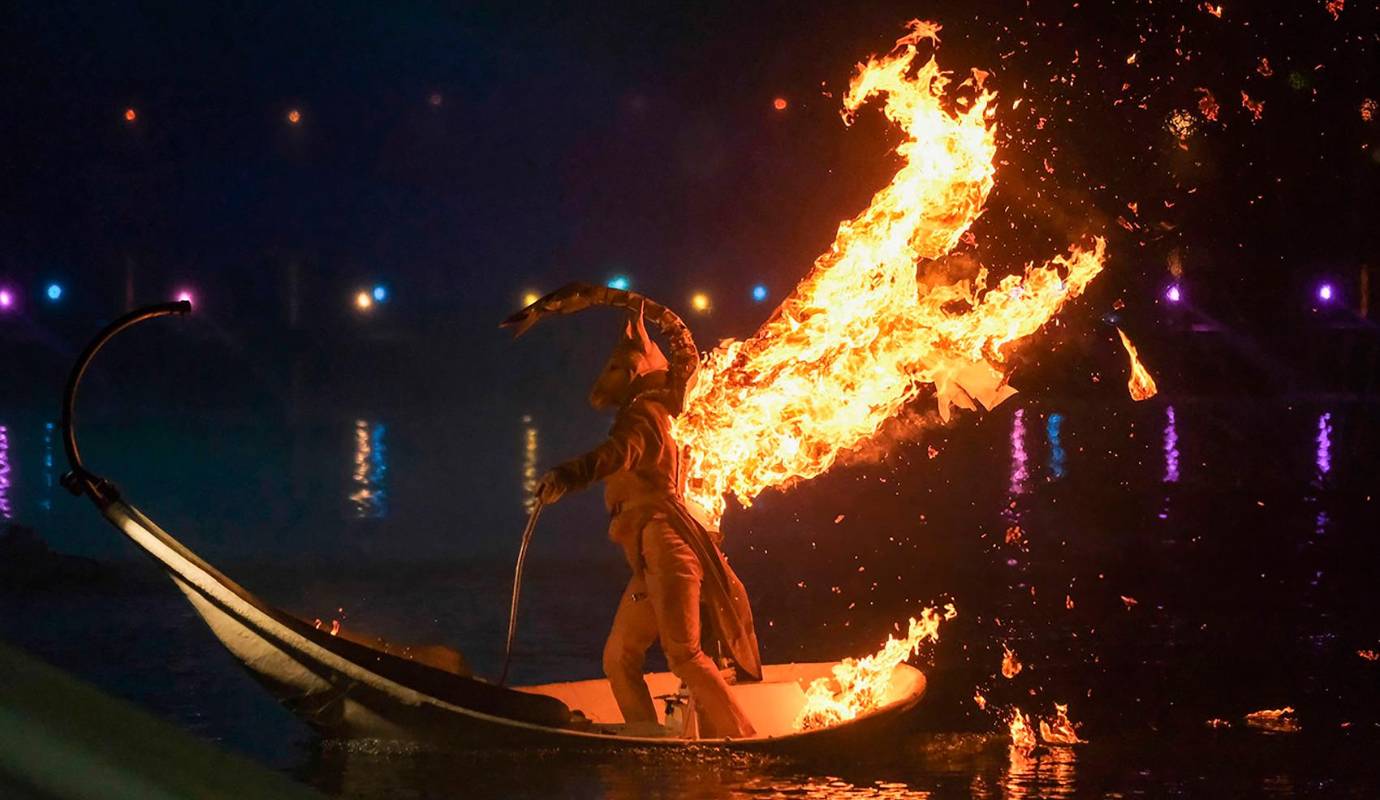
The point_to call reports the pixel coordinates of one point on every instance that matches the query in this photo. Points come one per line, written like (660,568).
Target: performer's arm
(632,434)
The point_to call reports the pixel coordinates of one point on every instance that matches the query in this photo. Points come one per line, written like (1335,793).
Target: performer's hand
(550,488)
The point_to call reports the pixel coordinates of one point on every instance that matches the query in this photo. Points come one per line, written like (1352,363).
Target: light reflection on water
(46,501)
(6,511)
(1322,458)
(1019,473)
(369,491)
(529,462)
(1171,446)
(1056,446)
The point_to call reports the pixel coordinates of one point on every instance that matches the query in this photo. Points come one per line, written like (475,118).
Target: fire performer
(682,588)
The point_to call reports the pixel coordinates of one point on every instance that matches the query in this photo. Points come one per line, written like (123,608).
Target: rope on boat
(517,591)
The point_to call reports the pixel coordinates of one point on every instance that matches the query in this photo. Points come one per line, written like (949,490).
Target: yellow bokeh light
(528,298)
(364,301)
(700,301)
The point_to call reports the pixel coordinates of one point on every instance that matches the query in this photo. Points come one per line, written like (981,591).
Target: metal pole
(517,591)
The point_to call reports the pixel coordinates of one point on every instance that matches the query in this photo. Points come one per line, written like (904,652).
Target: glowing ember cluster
(861,336)
(859,686)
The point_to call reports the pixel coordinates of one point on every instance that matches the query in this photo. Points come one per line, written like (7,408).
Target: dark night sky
(572,144)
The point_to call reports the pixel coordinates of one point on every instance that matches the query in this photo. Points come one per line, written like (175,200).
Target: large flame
(1140,385)
(860,686)
(861,336)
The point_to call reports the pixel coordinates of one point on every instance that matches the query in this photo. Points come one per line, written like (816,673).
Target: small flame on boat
(859,686)
(1141,385)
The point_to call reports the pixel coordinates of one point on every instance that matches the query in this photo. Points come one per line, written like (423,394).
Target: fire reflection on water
(529,463)
(369,492)
(6,512)
(1049,772)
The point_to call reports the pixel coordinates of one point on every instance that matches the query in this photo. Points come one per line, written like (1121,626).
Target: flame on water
(1274,720)
(1061,730)
(861,336)
(1141,385)
(1022,735)
(859,686)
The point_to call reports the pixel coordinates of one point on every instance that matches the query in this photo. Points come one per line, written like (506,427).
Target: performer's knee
(621,658)
(680,655)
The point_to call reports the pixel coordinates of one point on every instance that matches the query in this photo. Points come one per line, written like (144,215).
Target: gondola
(349,687)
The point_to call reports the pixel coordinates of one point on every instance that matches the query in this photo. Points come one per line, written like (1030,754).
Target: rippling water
(1154,567)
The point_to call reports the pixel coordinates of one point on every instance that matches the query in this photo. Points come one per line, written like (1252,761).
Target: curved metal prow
(78,479)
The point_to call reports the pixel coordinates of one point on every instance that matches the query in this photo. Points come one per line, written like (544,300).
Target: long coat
(640,465)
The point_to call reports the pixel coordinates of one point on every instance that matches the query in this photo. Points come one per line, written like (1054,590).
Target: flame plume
(1140,385)
(860,337)
(860,686)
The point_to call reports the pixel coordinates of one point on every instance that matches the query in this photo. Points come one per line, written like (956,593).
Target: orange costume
(682,589)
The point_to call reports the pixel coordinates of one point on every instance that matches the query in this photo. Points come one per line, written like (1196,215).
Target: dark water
(1154,566)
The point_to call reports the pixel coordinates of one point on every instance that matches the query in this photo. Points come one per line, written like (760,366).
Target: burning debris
(1010,665)
(1062,730)
(1274,720)
(1256,107)
(861,337)
(858,687)
(1140,385)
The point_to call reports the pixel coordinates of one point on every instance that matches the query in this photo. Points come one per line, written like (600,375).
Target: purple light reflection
(5,511)
(1019,473)
(1171,446)
(1323,457)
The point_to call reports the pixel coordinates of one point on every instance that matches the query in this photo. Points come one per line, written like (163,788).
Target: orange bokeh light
(131,115)
(294,116)
(779,104)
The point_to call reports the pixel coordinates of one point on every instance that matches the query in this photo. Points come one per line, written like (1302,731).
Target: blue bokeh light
(54,291)
(759,293)
(381,293)
(619,282)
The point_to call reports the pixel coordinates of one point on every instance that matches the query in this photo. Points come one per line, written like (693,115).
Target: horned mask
(633,356)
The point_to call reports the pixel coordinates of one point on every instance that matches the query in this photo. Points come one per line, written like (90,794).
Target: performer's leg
(673,580)
(634,630)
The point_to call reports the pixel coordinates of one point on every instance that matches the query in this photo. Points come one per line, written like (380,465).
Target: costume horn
(576,297)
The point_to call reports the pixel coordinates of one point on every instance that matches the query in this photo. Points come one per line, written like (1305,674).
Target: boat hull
(346,690)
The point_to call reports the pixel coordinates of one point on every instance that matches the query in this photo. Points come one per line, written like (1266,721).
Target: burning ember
(1061,730)
(1010,665)
(861,336)
(860,686)
(1141,385)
